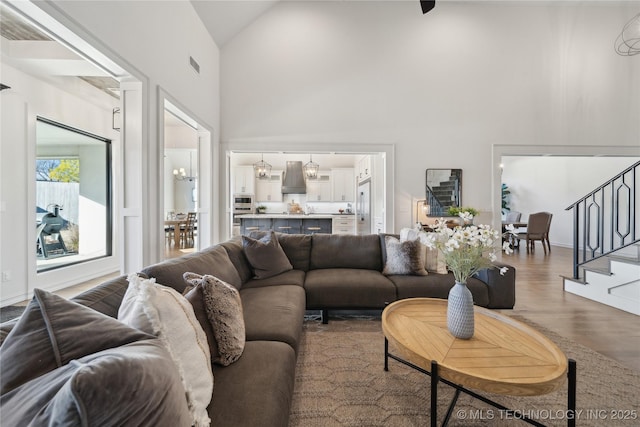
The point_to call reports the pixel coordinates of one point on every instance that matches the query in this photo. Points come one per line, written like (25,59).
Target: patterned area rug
(340,381)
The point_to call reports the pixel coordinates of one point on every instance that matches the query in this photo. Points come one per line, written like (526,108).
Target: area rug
(340,381)
(11,312)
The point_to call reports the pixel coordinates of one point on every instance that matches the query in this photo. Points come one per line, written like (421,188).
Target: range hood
(293,181)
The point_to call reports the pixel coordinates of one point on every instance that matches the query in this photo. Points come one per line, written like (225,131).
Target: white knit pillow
(163,312)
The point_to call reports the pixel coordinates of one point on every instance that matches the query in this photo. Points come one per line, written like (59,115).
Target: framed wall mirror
(443,190)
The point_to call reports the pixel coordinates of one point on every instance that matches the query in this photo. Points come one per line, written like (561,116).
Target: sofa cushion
(106,297)
(53,331)
(256,391)
(348,288)
(274,313)
(346,251)
(213,260)
(134,384)
(291,277)
(297,247)
(163,312)
(236,254)
(404,257)
(437,286)
(223,320)
(265,256)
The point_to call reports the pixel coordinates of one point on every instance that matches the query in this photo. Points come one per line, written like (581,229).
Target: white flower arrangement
(467,249)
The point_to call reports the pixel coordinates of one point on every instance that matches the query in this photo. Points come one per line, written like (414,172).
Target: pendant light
(181,174)
(311,169)
(262,169)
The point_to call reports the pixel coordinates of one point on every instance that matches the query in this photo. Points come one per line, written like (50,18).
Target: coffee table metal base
(435,378)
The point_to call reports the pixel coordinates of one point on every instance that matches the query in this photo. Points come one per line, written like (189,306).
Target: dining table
(175,224)
(513,240)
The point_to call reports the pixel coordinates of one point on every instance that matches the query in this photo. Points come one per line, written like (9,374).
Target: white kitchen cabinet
(364,168)
(319,190)
(243,180)
(269,190)
(343,185)
(343,224)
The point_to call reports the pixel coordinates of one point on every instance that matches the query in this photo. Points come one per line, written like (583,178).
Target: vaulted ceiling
(226,18)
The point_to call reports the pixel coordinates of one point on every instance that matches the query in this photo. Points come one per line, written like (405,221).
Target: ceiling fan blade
(427,5)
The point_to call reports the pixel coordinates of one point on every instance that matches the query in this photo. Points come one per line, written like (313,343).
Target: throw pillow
(434,259)
(219,310)
(266,256)
(134,385)
(51,332)
(404,257)
(163,312)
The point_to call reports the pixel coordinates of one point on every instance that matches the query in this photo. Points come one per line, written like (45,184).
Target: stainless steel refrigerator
(363,208)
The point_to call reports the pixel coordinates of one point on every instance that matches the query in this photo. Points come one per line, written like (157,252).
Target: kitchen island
(298,223)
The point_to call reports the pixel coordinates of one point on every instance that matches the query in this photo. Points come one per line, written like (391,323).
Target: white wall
(158,38)
(552,184)
(155,39)
(443,87)
(30,97)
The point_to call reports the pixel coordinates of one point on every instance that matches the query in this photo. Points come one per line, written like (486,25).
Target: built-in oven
(242,204)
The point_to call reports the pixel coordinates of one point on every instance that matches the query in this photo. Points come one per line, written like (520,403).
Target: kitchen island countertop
(288,216)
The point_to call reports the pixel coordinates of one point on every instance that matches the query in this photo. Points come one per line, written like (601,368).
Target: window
(73,196)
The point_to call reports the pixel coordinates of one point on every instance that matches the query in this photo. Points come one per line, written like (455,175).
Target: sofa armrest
(502,288)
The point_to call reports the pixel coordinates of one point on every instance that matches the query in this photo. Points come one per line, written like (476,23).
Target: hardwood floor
(541,299)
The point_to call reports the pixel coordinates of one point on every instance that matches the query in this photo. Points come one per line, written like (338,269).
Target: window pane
(73,198)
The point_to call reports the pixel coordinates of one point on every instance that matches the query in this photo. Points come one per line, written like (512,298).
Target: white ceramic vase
(460,311)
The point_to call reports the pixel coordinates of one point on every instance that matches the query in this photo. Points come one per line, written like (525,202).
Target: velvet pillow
(134,384)
(163,312)
(218,308)
(53,331)
(404,257)
(266,256)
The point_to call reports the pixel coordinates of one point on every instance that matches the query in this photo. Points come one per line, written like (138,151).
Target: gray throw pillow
(266,256)
(218,308)
(136,384)
(404,257)
(53,331)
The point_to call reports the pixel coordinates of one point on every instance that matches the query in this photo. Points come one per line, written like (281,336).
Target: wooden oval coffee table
(504,356)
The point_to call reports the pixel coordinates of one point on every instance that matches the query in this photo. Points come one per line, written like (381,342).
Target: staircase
(606,249)
(442,196)
(613,280)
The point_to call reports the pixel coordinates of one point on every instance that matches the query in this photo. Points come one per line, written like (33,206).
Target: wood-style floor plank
(541,299)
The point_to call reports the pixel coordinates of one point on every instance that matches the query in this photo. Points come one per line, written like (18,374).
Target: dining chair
(513,216)
(187,230)
(510,218)
(169,232)
(538,227)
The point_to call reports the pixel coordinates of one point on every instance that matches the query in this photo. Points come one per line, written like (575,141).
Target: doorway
(187,181)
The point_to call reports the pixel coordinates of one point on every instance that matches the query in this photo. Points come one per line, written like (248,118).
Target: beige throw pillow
(163,312)
(433,258)
(219,309)
(404,257)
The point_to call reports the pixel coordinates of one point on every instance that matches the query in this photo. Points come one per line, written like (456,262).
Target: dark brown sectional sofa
(330,272)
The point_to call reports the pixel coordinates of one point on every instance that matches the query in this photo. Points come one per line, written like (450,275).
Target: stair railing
(436,207)
(605,220)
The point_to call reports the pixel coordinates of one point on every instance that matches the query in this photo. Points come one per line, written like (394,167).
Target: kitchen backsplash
(311,207)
